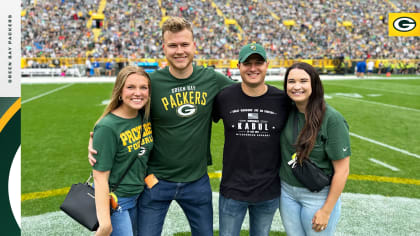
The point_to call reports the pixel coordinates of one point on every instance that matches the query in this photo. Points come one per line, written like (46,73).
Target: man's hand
(92,151)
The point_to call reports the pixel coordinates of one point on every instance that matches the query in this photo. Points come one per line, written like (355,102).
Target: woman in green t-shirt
(123,140)
(314,131)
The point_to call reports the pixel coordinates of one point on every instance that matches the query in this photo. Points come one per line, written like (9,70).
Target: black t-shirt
(251,155)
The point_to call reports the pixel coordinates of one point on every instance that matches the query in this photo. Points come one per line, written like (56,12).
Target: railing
(322,64)
(53,72)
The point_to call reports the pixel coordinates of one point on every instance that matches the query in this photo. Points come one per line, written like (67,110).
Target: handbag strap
(131,164)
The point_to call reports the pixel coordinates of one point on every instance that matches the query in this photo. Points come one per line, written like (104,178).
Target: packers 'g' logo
(404,24)
(186,110)
(142,151)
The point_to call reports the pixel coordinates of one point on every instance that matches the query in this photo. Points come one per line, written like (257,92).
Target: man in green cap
(253,114)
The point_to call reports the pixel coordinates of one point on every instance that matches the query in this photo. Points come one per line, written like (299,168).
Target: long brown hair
(117,90)
(314,112)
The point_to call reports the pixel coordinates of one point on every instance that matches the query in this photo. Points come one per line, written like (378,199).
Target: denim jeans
(232,214)
(124,219)
(195,199)
(299,205)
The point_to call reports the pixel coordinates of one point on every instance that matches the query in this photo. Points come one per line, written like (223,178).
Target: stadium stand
(325,33)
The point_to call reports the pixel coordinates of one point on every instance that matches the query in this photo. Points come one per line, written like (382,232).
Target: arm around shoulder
(222,80)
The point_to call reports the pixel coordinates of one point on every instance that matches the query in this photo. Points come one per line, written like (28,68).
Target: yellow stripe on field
(394,180)
(49,193)
(9,114)
(374,178)
(215,175)
(218,175)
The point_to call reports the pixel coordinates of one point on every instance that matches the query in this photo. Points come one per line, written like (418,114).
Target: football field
(382,195)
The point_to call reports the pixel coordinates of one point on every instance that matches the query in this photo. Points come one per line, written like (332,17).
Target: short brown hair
(176,24)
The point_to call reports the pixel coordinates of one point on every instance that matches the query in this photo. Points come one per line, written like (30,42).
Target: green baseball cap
(250,49)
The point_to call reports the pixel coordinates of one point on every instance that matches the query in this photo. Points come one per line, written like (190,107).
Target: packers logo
(142,151)
(186,110)
(253,47)
(404,24)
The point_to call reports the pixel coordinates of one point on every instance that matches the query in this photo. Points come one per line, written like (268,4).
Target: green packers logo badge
(253,47)
(186,110)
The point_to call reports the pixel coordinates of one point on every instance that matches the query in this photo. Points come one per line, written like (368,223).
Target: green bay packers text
(131,138)
(181,98)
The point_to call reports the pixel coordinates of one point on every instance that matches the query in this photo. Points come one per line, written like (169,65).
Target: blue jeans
(299,205)
(124,219)
(195,199)
(232,214)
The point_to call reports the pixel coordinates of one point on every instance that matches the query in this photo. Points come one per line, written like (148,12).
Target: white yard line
(382,104)
(46,93)
(385,145)
(393,168)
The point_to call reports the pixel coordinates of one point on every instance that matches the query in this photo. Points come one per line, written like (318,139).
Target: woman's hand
(341,172)
(320,220)
(104,230)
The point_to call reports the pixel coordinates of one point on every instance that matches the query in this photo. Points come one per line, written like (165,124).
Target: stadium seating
(288,29)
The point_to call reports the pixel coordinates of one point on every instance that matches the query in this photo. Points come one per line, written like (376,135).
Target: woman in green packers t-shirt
(123,140)
(314,131)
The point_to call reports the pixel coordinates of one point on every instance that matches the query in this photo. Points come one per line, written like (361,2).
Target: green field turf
(55,132)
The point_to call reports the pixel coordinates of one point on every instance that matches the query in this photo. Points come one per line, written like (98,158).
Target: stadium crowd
(56,28)
(287,29)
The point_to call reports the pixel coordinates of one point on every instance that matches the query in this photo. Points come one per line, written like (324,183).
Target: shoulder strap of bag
(131,164)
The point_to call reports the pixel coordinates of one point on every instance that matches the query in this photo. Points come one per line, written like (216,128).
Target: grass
(55,131)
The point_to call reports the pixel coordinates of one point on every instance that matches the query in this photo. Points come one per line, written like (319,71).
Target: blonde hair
(176,24)
(117,90)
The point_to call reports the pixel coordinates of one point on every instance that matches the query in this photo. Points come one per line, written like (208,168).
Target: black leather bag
(80,201)
(80,205)
(310,175)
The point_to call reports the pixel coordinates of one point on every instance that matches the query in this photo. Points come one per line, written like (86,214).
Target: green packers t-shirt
(332,143)
(117,141)
(181,117)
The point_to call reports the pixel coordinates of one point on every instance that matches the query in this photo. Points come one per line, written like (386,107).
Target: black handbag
(80,205)
(307,173)
(310,175)
(80,201)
